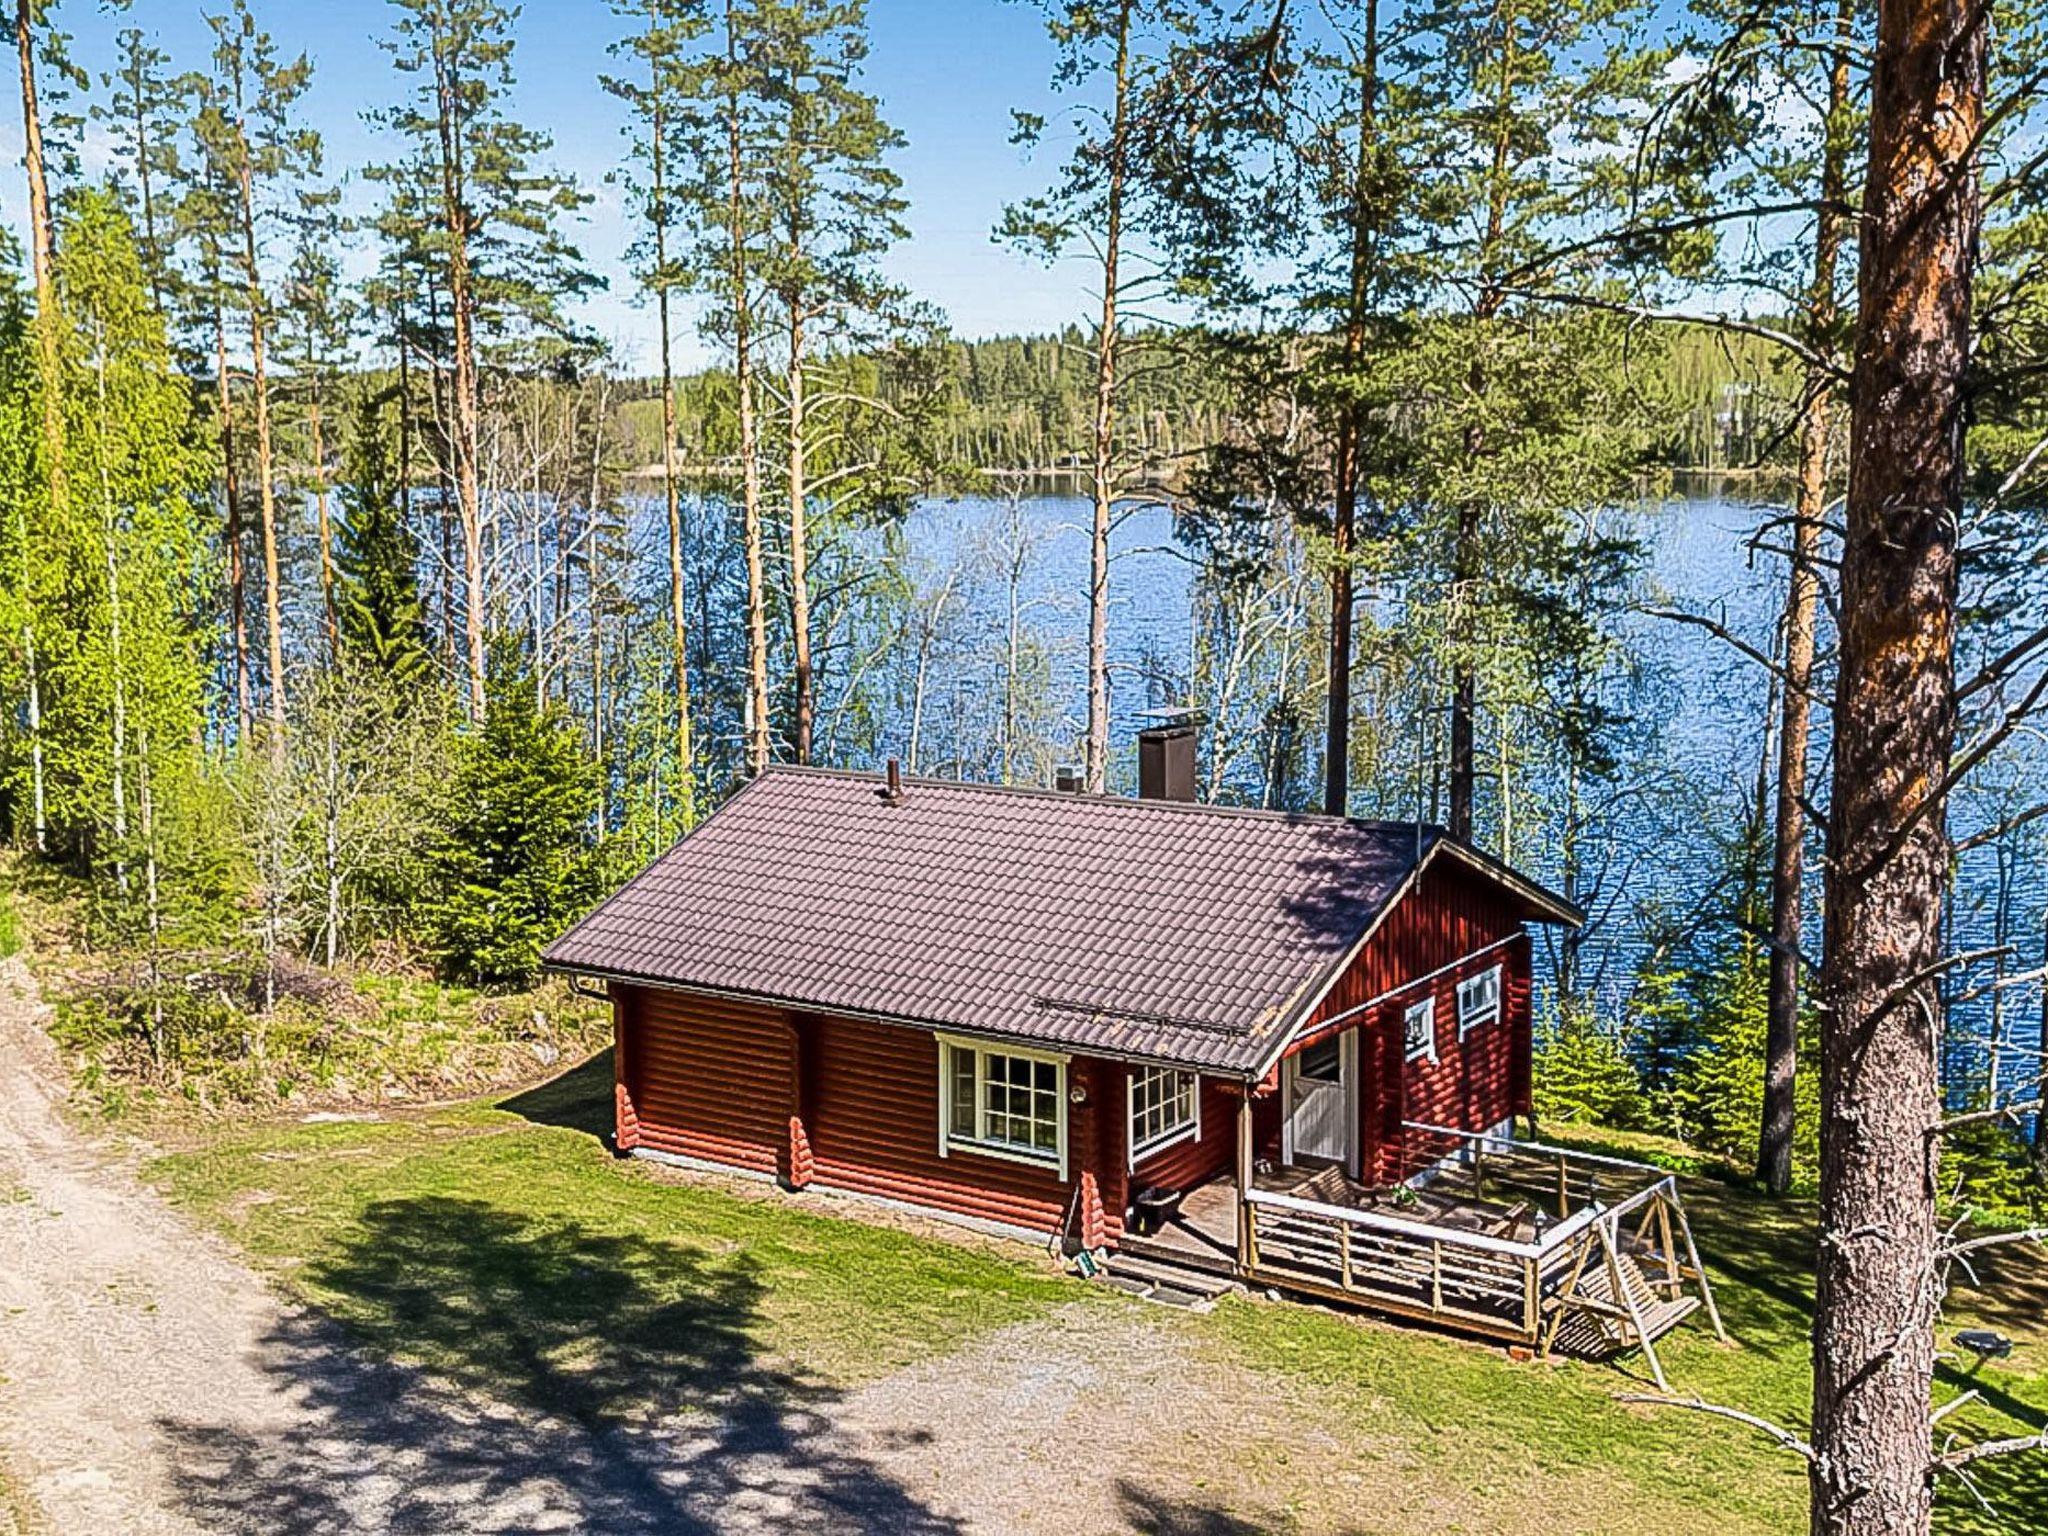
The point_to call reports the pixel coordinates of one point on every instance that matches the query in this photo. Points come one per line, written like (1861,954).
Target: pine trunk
(467,403)
(750,444)
(1465,548)
(266,488)
(799,575)
(43,247)
(231,499)
(1802,601)
(1350,436)
(1877,1288)
(1102,461)
(686,770)
(42,242)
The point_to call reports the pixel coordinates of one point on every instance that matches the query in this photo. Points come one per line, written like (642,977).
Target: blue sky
(948,73)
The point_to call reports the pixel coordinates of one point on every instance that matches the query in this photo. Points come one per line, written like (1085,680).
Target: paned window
(1003,1102)
(1166,1107)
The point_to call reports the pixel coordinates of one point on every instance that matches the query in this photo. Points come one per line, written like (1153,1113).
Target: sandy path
(151,1384)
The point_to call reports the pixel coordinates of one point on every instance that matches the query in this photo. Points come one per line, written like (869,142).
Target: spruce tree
(514,862)
(380,616)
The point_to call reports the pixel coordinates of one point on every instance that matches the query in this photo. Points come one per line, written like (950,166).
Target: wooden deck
(1533,1245)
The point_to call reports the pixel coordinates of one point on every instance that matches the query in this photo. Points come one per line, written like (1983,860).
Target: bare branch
(1817,361)
(1784,1437)
(1962,1456)
(1719,631)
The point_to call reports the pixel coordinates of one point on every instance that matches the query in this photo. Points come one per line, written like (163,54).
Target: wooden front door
(1321,1099)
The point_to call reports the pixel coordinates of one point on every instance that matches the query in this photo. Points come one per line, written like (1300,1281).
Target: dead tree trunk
(1894,718)
(1802,603)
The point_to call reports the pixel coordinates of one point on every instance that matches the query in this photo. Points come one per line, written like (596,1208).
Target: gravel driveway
(151,1384)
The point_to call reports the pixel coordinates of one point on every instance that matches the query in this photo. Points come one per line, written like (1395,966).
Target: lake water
(1698,744)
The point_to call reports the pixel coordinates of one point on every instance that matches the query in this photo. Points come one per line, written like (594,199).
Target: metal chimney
(892,791)
(1067,779)
(1166,755)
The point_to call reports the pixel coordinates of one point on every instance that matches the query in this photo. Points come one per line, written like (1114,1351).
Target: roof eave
(900,1021)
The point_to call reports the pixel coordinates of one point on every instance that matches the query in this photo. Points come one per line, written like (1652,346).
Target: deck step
(1131,1246)
(1199,1284)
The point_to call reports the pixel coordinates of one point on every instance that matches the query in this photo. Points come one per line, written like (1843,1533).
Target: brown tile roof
(1174,932)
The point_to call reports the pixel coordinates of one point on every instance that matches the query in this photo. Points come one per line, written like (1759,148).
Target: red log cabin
(1028,1006)
(1224,1037)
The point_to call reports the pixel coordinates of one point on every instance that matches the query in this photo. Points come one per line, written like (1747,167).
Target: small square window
(1322,1062)
(1418,1030)
(1479,1000)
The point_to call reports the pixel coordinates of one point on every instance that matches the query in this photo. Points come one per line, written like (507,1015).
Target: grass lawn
(500,1246)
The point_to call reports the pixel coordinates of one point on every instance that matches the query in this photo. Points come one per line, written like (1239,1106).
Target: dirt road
(151,1384)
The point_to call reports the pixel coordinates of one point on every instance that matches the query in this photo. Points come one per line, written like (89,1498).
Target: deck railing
(1612,1245)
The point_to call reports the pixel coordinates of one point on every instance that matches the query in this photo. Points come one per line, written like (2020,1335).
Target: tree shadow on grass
(1149,1513)
(552,1377)
(579,1099)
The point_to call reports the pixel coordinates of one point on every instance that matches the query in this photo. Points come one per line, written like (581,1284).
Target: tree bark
(1802,602)
(1893,724)
(1350,435)
(1102,462)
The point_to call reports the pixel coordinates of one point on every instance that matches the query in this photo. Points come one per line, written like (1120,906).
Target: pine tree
(145,107)
(832,205)
(495,243)
(659,103)
(247,131)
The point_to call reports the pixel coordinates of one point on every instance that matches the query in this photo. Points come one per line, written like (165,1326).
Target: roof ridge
(1046,792)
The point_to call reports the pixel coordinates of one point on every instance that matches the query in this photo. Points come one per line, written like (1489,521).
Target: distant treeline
(1722,401)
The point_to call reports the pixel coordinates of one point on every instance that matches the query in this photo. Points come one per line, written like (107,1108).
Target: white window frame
(982,1050)
(1472,1017)
(1427,1050)
(1189,1129)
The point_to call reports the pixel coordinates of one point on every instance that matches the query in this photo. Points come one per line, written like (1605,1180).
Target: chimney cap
(1171,718)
